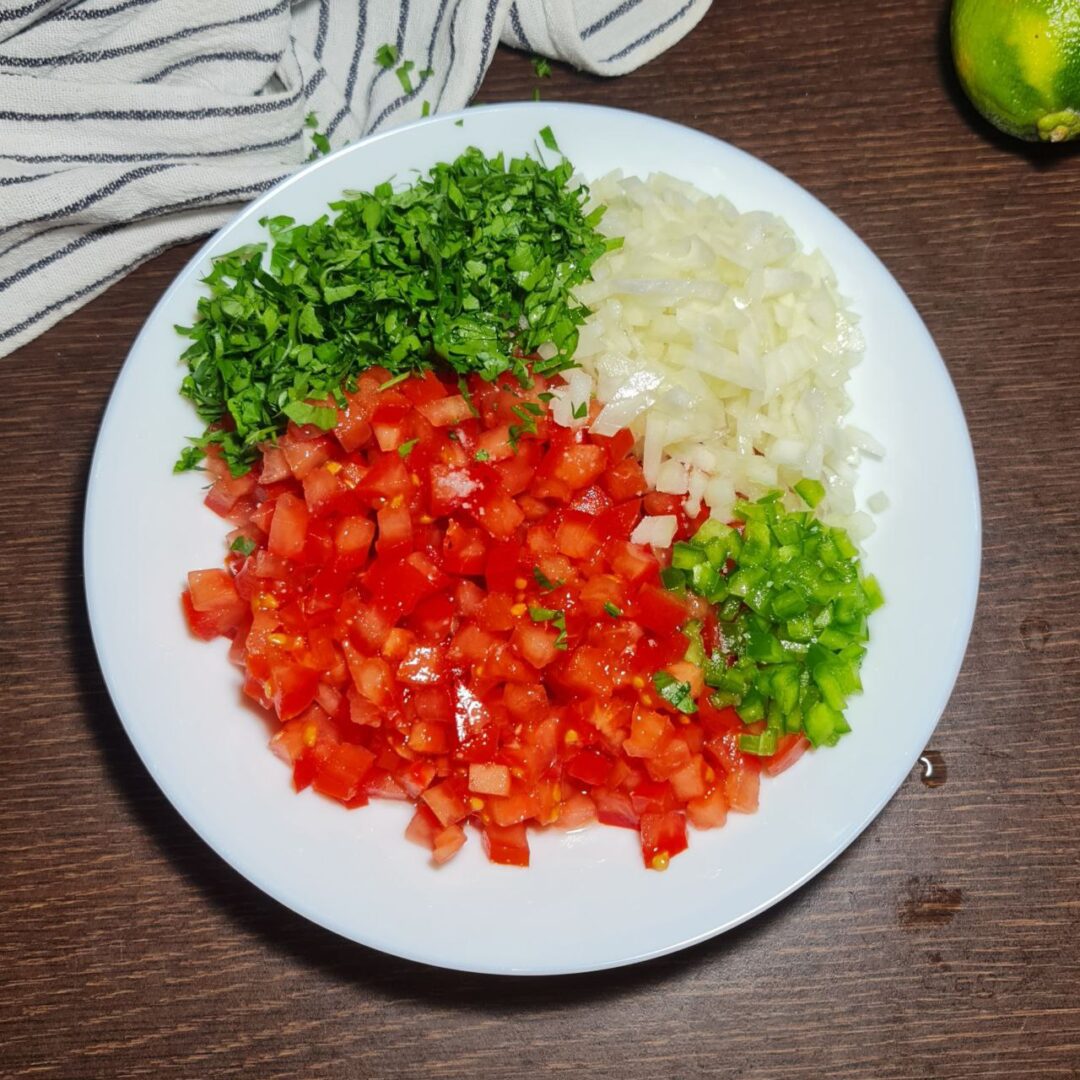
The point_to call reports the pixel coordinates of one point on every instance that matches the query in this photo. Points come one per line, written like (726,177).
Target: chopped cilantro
(425,109)
(189,458)
(470,268)
(319,141)
(542,67)
(301,412)
(612,610)
(463,389)
(536,93)
(403,76)
(526,413)
(459,123)
(243,545)
(426,73)
(393,381)
(557,620)
(543,580)
(386,56)
(406,448)
(549,139)
(581,410)
(482,455)
(674,692)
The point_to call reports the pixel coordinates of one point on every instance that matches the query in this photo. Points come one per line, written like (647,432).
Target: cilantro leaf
(675,693)
(612,610)
(189,459)
(406,448)
(528,420)
(243,545)
(393,381)
(386,56)
(543,580)
(301,412)
(319,141)
(463,389)
(557,620)
(541,66)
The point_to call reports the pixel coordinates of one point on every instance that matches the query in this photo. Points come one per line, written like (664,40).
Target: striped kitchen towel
(127,126)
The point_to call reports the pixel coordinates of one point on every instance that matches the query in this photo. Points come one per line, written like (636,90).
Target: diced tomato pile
(440,602)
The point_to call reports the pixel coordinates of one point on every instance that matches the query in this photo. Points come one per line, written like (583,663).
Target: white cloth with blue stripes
(127,126)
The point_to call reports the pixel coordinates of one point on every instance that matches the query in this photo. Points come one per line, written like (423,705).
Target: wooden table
(944,943)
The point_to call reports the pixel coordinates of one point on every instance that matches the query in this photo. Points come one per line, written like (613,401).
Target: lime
(1019,62)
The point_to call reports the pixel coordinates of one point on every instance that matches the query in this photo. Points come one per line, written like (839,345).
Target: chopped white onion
(658,530)
(723,346)
(878,502)
(570,401)
(673,478)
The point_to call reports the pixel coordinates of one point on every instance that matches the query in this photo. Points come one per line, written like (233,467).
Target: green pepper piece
(763,745)
(686,556)
(789,603)
(810,491)
(751,708)
(706,581)
(757,543)
(711,530)
(672,578)
(821,725)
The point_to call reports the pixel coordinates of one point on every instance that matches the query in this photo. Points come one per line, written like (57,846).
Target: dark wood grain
(944,943)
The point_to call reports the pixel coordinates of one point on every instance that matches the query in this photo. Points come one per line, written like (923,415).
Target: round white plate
(586,902)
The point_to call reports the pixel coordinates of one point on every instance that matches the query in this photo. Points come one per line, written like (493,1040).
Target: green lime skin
(1019,63)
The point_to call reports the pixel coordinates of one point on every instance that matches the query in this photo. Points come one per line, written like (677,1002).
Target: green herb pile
(792,605)
(470,268)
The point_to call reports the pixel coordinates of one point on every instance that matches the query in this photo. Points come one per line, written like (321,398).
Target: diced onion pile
(724,346)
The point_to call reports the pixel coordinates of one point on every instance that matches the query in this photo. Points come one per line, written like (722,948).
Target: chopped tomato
(506,844)
(661,610)
(445,411)
(288,527)
(789,749)
(439,602)
(340,774)
(662,837)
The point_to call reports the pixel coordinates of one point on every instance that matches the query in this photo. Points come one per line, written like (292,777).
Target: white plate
(586,902)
